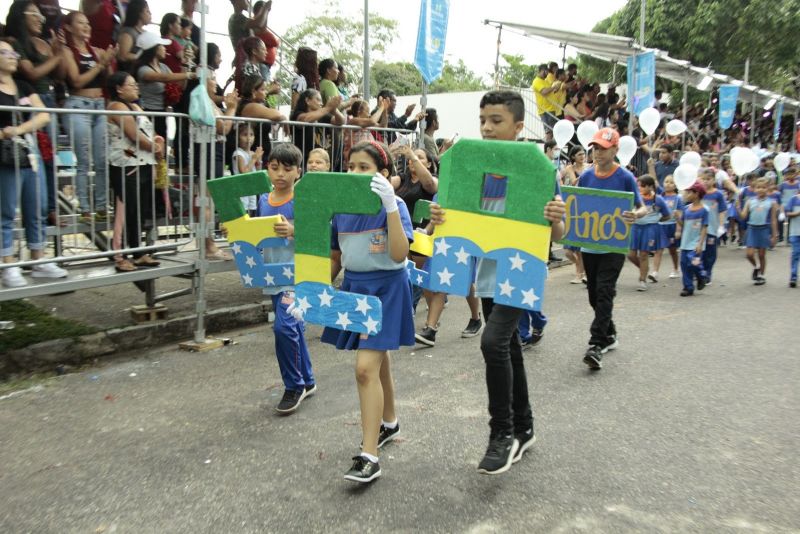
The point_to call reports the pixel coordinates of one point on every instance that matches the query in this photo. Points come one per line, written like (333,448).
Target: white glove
(295,312)
(721,231)
(381,187)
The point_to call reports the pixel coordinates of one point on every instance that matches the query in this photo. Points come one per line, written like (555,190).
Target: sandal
(219,255)
(146,261)
(124,266)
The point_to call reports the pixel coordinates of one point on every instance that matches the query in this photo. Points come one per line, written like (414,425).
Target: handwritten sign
(594,219)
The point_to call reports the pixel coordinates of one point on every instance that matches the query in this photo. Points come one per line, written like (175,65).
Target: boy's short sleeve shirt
(284,254)
(793,206)
(693,223)
(542,104)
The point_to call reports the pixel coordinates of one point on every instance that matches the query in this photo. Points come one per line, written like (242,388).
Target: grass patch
(33,325)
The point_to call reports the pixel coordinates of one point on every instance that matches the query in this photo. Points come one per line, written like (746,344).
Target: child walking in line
(318,161)
(760,212)
(372,250)
(792,210)
(647,236)
(692,232)
(247,160)
(788,188)
(673,200)
(714,201)
(283,168)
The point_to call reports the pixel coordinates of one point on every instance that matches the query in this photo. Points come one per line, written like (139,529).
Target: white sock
(370,457)
(390,425)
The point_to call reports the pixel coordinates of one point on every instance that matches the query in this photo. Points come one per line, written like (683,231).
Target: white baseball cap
(148,40)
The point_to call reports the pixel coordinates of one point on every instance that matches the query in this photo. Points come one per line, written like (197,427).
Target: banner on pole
(778,115)
(642,91)
(429,57)
(728,96)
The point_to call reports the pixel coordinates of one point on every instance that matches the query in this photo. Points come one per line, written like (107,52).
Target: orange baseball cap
(605,138)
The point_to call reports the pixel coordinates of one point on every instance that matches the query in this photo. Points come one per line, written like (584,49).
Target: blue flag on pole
(728,96)
(429,57)
(778,115)
(643,94)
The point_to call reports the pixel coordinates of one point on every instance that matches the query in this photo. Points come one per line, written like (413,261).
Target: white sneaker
(674,274)
(642,286)
(48,270)
(653,277)
(576,280)
(12,277)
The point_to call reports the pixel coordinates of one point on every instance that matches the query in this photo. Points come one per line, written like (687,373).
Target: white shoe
(576,280)
(674,274)
(48,270)
(12,277)
(642,286)
(653,277)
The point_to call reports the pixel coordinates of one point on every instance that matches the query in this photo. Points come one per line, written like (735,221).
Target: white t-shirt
(250,203)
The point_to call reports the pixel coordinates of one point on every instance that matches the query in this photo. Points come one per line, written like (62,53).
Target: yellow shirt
(542,104)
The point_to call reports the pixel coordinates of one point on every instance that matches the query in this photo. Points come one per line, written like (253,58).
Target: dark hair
(70,38)
(249,85)
(185,23)
(324,65)
(433,163)
(549,145)
(572,66)
(306,65)
(431,115)
(512,100)
(114,81)
(302,106)
(559,72)
(541,67)
(355,108)
(18,29)
(166,21)
(286,154)
(146,57)
(378,153)
(212,49)
(646,180)
(574,152)
(551,65)
(668,148)
(134,12)
(386,93)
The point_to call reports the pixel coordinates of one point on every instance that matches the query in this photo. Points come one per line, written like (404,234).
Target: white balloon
(782,161)
(627,149)
(685,175)
(586,131)
(563,132)
(676,127)
(649,120)
(743,160)
(692,158)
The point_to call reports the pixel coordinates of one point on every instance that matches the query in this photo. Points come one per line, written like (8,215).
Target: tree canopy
(405,79)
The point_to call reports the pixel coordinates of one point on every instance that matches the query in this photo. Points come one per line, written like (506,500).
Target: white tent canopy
(616,49)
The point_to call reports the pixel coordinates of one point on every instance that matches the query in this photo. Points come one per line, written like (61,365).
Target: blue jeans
(689,271)
(29,187)
(531,320)
(89,139)
(795,242)
(49,100)
(710,255)
(290,345)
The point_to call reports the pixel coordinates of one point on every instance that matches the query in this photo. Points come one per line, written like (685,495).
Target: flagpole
(366,50)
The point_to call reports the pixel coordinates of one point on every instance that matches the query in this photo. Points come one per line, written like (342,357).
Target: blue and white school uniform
(250,202)
(715,204)
(793,206)
(369,270)
(759,230)
(646,233)
(668,227)
(691,263)
(290,342)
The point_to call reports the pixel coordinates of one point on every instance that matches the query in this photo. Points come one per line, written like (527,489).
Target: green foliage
(33,325)
(457,78)
(405,79)
(334,35)
(516,73)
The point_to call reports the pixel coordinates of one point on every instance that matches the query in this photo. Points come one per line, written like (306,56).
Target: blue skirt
(758,236)
(668,234)
(394,290)
(648,237)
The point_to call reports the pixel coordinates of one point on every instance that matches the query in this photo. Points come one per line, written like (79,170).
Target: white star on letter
(441,247)
(236,248)
(372,325)
(302,304)
(445,276)
(463,256)
(248,280)
(344,321)
(529,298)
(269,279)
(363,306)
(287,273)
(325,298)
(419,280)
(250,262)
(506,288)
(517,262)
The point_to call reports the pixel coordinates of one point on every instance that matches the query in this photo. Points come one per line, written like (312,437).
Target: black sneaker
(701,283)
(594,355)
(536,337)
(611,346)
(427,336)
(525,440)
(792,283)
(290,402)
(755,274)
(687,293)
(308,391)
(363,470)
(474,327)
(760,281)
(499,455)
(387,434)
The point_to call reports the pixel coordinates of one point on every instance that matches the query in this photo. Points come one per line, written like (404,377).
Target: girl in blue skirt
(761,214)
(647,234)
(372,249)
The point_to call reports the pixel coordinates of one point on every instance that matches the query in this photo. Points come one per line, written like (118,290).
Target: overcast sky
(467,37)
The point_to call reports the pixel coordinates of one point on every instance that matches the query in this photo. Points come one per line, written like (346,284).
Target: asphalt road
(691,426)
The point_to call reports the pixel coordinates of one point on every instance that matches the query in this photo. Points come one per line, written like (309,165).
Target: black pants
(506,383)
(135,189)
(602,271)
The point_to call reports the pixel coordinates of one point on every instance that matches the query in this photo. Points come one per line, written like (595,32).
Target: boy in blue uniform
(792,210)
(787,189)
(283,168)
(602,269)
(692,232)
(714,201)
